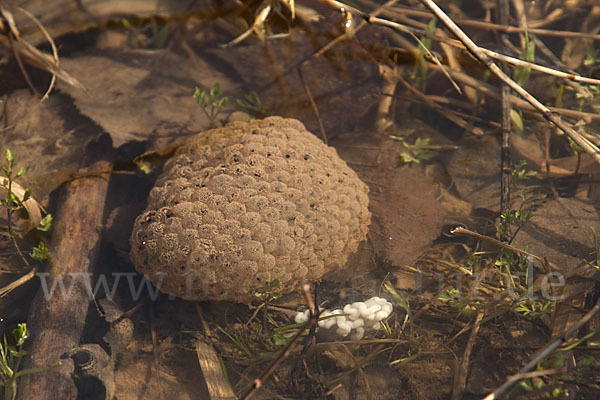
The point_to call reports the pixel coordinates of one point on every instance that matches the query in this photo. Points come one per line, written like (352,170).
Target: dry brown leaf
(143,94)
(34,209)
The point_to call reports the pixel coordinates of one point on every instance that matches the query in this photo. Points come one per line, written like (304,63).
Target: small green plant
(512,221)
(534,308)
(592,56)
(11,358)
(273,292)
(40,252)
(11,354)
(14,202)
(520,172)
(455,299)
(521,75)
(596,248)
(251,105)
(213,102)
(416,152)
(159,36)
(421,72)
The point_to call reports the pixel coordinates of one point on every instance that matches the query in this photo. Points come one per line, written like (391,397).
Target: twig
(459,230)
(22,66)
(503,28)
(15,284)
(372,19)
(490,90)
(460,377)
(307,342)
(450,116)
(543,353)
(505,162)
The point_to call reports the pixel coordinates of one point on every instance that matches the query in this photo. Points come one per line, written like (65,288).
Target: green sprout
(11,358)
(213,102)
(534,308)
(455,299)
(510,220)
(13,203)
(421,69)
(521,75)
(416,152)
(40,252)
(591,56)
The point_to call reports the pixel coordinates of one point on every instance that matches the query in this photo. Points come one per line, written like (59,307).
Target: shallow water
(426,174)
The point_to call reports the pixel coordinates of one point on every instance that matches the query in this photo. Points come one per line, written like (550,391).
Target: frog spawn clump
(243,205)
(353,320)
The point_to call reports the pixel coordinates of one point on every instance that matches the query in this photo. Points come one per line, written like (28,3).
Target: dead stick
(460,376)
(505,159)
(56,320)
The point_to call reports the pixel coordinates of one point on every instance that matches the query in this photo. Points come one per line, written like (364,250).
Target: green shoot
(45,224)
(512,219)
(417,152)
(522,73)
(591,56)
(213,102)
(40,252)
(534,308)
(13,202)
(11,358)
(272,293)
(421,68)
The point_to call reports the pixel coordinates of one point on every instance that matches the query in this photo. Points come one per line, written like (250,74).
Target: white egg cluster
(353,319)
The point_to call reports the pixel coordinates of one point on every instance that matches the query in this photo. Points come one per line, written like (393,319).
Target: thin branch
(504,28)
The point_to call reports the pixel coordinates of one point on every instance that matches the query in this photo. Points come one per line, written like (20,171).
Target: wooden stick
(505,159)
(216,382)
(56,320)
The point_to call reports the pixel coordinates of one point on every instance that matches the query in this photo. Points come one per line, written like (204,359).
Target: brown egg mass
(240,206)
